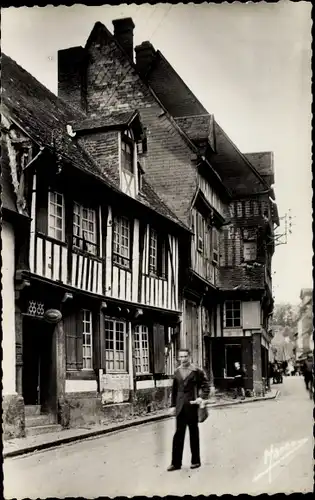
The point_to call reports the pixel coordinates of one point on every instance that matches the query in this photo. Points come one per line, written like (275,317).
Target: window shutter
(41,207)
(159,348)
(96,351)
(79,341)
(69,324)
(102,353)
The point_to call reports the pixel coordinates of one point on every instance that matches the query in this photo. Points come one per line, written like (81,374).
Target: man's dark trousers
(187,416)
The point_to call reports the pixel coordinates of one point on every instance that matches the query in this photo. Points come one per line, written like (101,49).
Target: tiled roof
(197,127)
(44,116)
(150,198)
(235,170)
(263,163)
(111,120)
(7,193)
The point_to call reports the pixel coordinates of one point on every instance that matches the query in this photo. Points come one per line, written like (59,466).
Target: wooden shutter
(79,340)
(41,206)
(96,352)
(102,353)
(159,348)
(69,325)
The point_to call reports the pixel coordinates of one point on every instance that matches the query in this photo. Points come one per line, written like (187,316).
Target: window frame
(81,238)
(161,256)
(127,139)
(153,267)
(200,233)
(215,249)
(239,346)
(232,318)
(55,216)
(114,361)
(253,252)
(117,257)
(90,334)
(141,333)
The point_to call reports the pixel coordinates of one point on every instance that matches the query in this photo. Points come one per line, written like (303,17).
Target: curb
(241,402)
(118,427)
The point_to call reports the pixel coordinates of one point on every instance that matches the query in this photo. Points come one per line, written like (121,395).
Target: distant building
(304,342)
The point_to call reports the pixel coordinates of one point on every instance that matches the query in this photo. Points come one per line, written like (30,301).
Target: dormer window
(140,173)
(128,152)
(127,156)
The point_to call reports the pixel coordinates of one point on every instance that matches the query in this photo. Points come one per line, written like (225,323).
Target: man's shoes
(195,466)
(172,467)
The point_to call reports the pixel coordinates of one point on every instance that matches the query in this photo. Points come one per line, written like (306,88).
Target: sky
(249,64)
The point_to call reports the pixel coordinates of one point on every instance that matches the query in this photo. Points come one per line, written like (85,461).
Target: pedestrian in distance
(307,372)
(239,381)
(190,389)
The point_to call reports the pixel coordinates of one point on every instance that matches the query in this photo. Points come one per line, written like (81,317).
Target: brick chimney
(72,64)
(123,32)
(145,55)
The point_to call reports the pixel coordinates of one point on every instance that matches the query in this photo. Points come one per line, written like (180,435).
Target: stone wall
(88,409)
(13,416)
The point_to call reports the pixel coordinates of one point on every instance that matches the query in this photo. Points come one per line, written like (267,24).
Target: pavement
(261,447)
(30,444)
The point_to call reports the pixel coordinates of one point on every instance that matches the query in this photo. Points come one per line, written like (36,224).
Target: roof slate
(44,116)
(197,127)
(7,193)
(263,163)
(117,119)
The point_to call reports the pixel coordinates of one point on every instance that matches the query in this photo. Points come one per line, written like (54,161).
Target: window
(121,240)
(239,209)
(56,216)
(233,354)
(232,313)
(215,245)
(255,207)
(87,340)
(141,346)
(115,345)
(127,147)
(84,228)
(157,254)
(249,244)
(153,251)
(140,174)
(249,251)
(200,232)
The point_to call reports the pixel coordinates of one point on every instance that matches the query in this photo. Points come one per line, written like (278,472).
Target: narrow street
(236,444)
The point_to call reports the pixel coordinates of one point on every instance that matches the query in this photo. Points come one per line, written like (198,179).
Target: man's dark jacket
(188,389)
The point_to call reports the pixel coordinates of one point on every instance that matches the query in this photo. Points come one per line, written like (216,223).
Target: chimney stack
(72,76)
(123,31)
(145,55)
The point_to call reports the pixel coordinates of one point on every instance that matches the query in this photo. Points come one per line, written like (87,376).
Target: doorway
(37,362)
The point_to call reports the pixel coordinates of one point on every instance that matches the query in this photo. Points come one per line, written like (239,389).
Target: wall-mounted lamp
(103,305)
(139,312)
(67,296)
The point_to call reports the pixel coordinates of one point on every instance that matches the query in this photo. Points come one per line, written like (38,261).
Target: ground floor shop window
(115,345)
(233,354)
(141,349)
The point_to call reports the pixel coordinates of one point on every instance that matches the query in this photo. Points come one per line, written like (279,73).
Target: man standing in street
(239,382)
(190,387)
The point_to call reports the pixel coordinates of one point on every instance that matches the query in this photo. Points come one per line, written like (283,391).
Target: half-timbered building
(96,324)
(202,176)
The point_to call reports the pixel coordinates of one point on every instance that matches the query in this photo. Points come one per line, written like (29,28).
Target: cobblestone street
(252,448)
